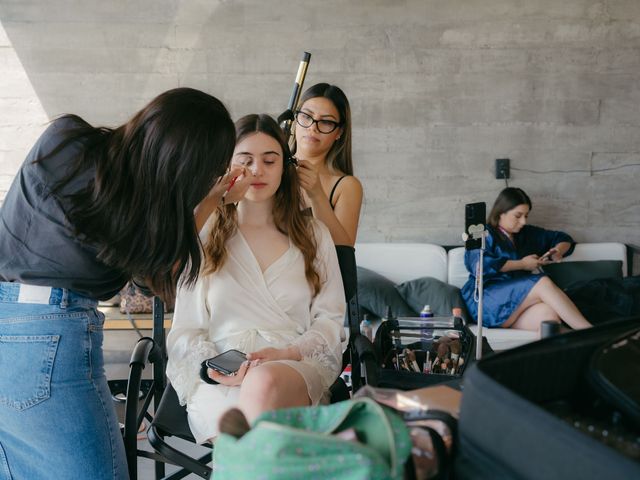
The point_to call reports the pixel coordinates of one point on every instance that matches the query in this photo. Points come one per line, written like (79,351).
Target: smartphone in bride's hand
(228,362)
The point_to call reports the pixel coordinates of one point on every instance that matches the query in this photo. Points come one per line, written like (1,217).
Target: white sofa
(400,262)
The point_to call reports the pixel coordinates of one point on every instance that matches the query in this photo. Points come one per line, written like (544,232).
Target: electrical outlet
(502,168)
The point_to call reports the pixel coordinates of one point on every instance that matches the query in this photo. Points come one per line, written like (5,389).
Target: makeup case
(545,410)
(417,352)
(614,374)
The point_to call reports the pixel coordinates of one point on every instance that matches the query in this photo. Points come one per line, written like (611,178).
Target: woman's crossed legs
(546,301)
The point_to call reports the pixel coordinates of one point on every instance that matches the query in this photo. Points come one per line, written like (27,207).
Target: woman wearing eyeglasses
(323,149)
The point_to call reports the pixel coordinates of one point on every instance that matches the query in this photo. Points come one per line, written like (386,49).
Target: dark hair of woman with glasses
(89,209)
(323,150)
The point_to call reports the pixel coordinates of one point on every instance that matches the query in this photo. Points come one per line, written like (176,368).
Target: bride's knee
(260,382)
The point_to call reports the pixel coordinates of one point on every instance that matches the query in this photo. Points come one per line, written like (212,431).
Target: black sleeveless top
(333,191)
(308,211)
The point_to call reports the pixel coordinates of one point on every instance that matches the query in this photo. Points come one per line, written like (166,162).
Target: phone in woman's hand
(548,255)
(228,362)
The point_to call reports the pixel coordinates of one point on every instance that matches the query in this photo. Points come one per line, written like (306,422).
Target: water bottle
(426,312)
(427,333)
(366,328)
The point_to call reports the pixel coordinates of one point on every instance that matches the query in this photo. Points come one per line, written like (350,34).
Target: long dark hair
(288,205)
(508,199)
(150,174)
(339,156)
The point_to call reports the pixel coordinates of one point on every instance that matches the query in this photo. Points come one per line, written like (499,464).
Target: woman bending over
(90,209)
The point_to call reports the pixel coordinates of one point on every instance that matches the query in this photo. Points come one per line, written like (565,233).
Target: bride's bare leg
(269,386)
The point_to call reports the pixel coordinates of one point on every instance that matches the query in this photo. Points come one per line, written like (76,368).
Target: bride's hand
(269,353)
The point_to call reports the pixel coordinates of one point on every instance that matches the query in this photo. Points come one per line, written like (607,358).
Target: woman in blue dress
(515,293)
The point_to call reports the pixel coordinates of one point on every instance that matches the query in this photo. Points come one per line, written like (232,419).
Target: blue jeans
(57,418)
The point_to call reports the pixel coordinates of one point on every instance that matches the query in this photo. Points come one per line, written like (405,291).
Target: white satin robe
(241,307)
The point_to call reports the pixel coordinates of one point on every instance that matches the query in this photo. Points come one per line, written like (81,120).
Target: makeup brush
(455,350)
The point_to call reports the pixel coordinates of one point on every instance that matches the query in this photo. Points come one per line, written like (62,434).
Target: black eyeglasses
(324,126)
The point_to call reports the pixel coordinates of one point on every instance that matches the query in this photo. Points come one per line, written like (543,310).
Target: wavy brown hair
(287,211)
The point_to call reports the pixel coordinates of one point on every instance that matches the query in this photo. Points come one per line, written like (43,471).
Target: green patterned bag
(299,443)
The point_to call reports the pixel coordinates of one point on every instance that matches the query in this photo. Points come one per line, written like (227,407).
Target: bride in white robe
(256,300)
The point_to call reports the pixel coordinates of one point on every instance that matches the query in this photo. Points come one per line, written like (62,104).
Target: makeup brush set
(416,352)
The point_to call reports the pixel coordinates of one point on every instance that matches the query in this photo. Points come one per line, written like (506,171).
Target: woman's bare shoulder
(350,187)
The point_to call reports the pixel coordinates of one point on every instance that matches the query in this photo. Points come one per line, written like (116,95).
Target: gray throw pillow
(566,274)
(376,292)
(440,296)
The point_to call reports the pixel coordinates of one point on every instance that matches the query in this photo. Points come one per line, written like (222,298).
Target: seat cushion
(505,338)
(171,417)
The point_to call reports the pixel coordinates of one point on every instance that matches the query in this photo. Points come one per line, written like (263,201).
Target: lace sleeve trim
(315,348)
(184,373)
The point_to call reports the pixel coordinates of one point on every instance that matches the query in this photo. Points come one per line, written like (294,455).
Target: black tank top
(333,191)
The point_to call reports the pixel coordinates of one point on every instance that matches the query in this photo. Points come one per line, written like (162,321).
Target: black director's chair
(170,418)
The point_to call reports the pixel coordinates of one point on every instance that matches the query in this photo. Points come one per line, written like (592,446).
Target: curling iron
(286,118)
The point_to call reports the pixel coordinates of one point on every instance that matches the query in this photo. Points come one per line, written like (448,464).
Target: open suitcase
(416,352)
(535,412)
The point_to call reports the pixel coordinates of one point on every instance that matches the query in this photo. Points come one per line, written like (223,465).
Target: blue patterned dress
(505,291)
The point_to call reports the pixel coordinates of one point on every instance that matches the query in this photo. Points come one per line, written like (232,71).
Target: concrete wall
(439,89)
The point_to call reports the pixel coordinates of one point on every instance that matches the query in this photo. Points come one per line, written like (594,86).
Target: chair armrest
(143,353)
(364,347)
(367,355)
